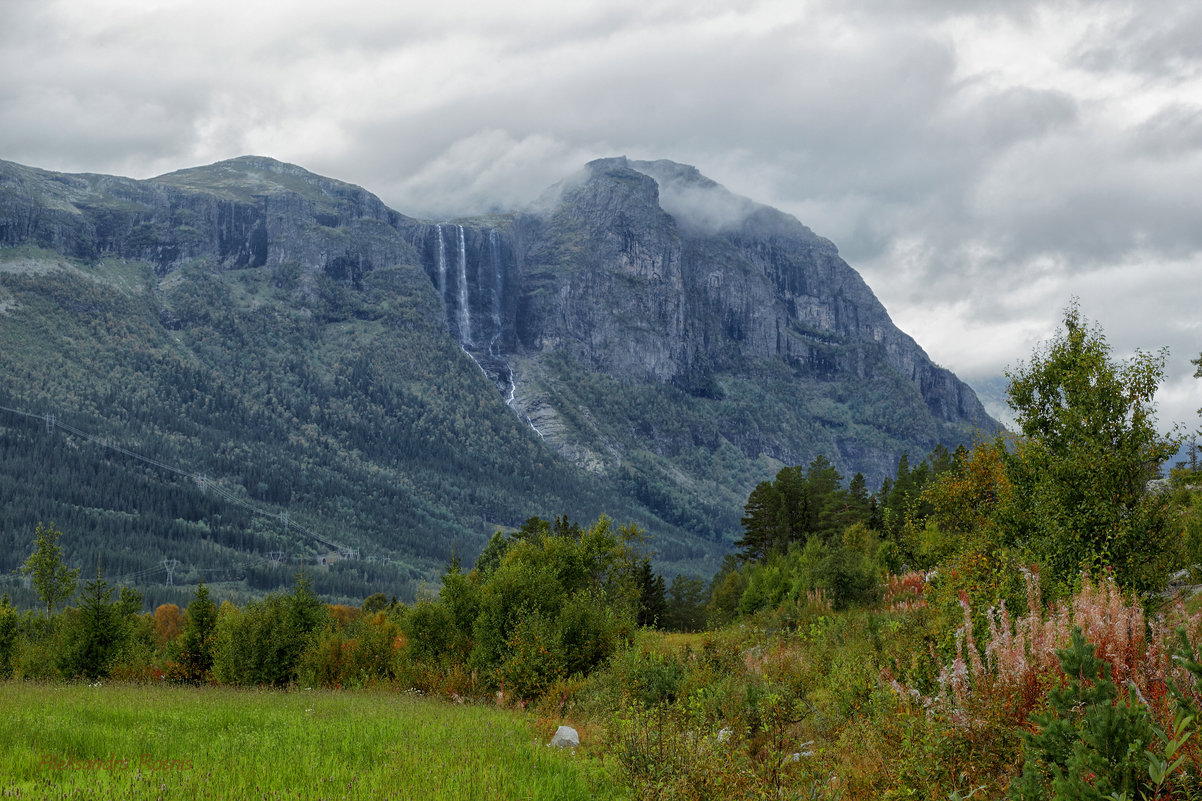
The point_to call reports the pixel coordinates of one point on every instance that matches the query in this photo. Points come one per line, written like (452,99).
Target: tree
(763,528)
(53,580)
(726,590)
(197,640)
(377,602)
(94,632)
(8,636)
(490,557)
(168,623)
(563,591)
(263,643)
(1090,445)
(652,600)
(964,499)
(827,498)
(1091,744)
(796,505)
(686,604)
(1194,447)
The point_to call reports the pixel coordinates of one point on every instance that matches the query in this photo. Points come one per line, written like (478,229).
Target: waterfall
(442,267)
(494,252)
(492,363)
(465,313)
(504,371)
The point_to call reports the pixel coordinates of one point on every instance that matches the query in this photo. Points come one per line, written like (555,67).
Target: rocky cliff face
(648,272)
(246,213)
(654,328)
(660,274)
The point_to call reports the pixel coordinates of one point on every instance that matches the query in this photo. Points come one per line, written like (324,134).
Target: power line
(202,481)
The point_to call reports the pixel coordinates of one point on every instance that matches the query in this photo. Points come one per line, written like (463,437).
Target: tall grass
(82,742)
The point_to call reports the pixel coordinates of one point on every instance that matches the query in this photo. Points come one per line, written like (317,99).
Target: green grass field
(82,742)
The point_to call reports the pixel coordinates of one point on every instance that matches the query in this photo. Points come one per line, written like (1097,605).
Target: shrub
(262,644)
(429,633)
(534,657)
(1091,744)
(9,621)
(847,577)
(37,648)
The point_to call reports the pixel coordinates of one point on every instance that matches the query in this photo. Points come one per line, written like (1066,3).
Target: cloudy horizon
(980,163)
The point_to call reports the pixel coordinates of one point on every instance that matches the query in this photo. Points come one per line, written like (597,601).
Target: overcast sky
(980,162)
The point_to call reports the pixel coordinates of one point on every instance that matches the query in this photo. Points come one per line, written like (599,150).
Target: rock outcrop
(245,213)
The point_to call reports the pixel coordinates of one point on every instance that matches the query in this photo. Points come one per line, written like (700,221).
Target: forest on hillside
(243,429)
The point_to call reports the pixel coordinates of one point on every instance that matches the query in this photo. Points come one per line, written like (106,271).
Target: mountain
(304,370)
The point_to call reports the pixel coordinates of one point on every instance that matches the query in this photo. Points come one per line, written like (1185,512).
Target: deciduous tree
(1089,446)
(53,580)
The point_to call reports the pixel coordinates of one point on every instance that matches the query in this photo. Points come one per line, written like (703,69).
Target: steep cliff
(650,275)
(245,213)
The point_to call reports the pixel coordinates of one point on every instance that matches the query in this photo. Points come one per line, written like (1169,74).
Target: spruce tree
(195,659)
(94,632)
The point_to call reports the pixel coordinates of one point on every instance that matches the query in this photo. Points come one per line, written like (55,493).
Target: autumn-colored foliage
(1019,662)
(168,623)
(904,593)
(963,500)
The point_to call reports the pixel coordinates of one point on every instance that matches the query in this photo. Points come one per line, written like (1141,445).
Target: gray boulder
(565,737)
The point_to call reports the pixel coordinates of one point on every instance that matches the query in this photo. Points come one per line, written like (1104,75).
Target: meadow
(84,741)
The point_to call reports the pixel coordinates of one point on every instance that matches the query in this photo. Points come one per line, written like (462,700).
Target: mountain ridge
(672,360)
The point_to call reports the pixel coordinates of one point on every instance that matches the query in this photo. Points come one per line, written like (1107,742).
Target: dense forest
(235,447)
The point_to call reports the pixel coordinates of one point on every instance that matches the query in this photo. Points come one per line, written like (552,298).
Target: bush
(9,621)
(534,657)
(37,648)
(262,644)
(846,577)
(1091,743)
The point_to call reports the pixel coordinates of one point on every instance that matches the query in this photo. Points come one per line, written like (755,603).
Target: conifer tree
(195,658)
(1091,743)
(94,633)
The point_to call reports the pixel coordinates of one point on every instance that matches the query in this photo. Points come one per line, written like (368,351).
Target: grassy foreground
(113,741)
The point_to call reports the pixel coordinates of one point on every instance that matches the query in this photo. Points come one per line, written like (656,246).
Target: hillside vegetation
(364,443)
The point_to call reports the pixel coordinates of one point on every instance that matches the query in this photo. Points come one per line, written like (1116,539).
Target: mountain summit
(642,341)
(653,276)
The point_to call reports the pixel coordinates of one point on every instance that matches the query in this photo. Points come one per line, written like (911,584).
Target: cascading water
(494,252)
(465,312)
(491,363)
(442,267)
(504,371)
